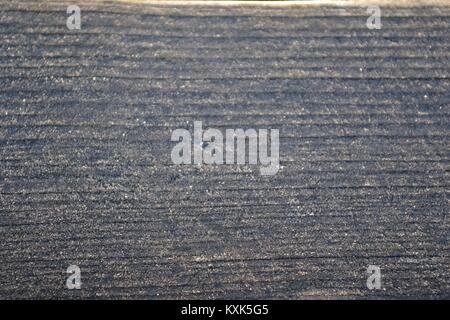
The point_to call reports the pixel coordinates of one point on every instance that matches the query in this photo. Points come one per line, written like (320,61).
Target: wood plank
(86,177)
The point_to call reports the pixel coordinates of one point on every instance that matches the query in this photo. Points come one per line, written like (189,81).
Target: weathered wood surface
(86,176)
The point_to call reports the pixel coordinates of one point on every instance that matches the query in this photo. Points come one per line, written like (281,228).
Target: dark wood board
(86,177)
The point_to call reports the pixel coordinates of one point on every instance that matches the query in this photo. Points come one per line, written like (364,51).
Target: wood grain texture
(86,177)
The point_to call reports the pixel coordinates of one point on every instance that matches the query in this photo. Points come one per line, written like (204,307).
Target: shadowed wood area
(86,177)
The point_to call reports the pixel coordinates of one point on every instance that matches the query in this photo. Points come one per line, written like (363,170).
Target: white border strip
(290,3)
